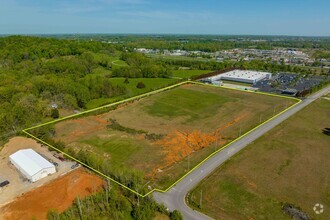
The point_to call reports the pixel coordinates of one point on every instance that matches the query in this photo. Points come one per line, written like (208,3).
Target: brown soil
(179,145)
(18,143)
(58,195)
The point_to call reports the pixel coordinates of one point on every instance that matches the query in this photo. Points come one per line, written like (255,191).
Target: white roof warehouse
(246,76)
(31,164)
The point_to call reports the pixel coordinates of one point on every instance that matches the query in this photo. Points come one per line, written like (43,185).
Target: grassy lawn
(190,104)
(118,63)
(114,60)
(171,125)
(186,74)
(151,84)
(289,164)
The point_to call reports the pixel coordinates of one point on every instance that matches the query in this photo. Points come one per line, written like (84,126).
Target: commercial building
(31,164)
(245,76)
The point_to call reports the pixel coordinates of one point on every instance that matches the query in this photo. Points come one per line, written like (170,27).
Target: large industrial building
(32,165)
(245,76)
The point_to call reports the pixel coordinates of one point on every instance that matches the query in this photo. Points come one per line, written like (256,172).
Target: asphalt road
(174,199)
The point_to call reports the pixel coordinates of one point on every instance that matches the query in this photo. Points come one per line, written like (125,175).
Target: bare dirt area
(18,183)
(58,194)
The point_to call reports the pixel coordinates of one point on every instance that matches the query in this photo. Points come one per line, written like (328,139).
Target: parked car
(74,165)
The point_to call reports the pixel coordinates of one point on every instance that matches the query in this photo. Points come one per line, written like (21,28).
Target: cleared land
(18,183)
(163,136)
(58,194)
(290,164)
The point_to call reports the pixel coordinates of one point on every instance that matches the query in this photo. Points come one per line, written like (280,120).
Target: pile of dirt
(59,195)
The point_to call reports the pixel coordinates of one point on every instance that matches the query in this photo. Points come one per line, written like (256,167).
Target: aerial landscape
(141,109)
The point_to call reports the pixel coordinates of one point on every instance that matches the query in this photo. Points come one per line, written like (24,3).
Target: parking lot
(18,184)
(288,81)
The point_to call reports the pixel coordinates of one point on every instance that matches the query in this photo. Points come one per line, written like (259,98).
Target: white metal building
(246,76)
(31,164)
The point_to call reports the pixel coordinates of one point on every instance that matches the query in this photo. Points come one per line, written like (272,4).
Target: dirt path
(58,195)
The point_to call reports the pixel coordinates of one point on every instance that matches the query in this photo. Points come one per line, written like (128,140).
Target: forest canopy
(36,72)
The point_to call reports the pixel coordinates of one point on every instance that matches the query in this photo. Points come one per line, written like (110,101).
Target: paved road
(175,197)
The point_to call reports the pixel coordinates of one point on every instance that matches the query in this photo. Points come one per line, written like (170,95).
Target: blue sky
(276,17)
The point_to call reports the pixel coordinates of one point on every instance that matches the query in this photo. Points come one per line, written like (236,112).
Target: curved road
(174,199)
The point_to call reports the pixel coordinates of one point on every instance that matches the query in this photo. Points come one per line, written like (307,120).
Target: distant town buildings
(287,56)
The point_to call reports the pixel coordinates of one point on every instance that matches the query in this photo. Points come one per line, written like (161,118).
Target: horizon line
(166,34)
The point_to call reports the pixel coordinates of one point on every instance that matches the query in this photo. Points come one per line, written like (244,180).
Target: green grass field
(289,164)
(190,104)
(188,108)
(186,74)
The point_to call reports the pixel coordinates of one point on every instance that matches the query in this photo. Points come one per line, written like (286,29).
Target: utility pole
(260,118)
(240,130)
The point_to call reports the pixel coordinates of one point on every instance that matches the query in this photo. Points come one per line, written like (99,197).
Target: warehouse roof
(245,74)
(241,75)
(30,161)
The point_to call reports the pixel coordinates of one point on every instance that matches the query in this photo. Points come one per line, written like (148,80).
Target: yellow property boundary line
(145,95)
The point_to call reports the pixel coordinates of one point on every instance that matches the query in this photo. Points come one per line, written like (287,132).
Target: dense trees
(216,43)
(111,203)
(36,71)
(250,65)
(141,67)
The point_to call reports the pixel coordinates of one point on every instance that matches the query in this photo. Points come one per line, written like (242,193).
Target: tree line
(113,203)
(142,67)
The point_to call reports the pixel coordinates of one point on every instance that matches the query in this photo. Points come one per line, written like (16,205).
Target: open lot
(290,164)
(164,135)
(18,183)
(58,194)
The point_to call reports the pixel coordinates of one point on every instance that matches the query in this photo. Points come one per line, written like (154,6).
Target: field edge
(25,131)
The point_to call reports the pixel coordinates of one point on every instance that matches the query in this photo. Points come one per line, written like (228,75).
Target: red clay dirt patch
(179,145)
(58,195)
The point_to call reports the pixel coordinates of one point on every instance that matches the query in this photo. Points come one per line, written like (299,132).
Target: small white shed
(31,164)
